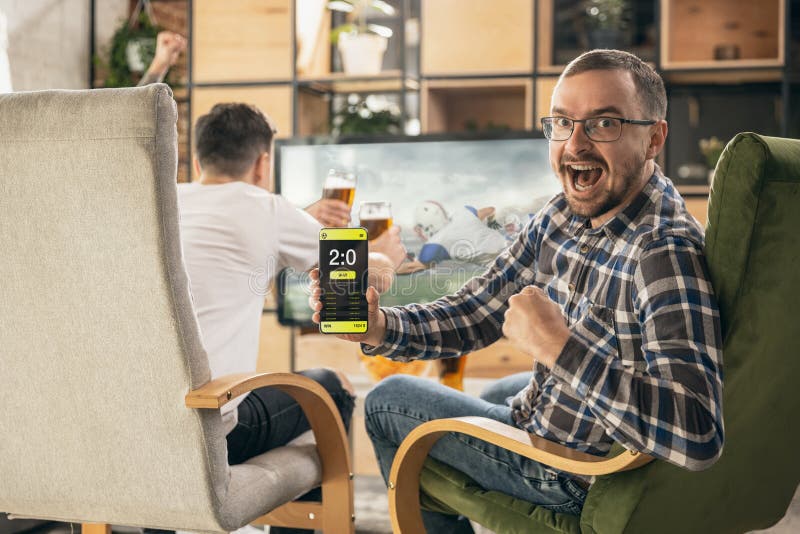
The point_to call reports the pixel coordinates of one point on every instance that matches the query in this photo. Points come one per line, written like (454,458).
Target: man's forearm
(456,324)
(153,75)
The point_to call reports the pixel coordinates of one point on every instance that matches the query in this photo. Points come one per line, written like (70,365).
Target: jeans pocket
(574,490)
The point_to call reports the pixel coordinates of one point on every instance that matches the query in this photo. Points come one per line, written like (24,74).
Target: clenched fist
(534,324)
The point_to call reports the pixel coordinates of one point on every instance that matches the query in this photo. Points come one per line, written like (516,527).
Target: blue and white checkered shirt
(643,364)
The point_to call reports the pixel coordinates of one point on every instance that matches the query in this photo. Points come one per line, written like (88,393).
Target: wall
(49,40)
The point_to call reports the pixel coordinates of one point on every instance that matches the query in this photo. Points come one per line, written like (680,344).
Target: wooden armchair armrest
(329,433)
(404,477)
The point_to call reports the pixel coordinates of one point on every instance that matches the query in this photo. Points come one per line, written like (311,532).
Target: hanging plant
(132,47)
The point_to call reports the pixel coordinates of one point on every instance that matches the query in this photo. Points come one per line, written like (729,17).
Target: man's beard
(608,200)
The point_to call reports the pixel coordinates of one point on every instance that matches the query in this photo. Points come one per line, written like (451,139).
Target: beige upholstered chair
(107,413)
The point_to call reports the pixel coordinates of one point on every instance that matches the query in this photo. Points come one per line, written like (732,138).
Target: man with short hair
(236,237)
(606,288)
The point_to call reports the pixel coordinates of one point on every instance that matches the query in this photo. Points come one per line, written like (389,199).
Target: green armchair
(753,249)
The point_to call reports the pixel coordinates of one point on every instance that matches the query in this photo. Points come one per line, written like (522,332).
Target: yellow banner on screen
(343,275)
(343,327)
(343,234)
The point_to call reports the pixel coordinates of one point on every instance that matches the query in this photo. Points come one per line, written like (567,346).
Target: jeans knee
(382,396)
(388,389)
(332,380)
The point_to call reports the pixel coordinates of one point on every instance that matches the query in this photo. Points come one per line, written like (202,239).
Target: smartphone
(343,279)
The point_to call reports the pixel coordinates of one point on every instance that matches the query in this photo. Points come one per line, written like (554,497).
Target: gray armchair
(108,415)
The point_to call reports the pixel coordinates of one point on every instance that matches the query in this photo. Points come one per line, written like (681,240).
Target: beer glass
(376,217)
(341,186)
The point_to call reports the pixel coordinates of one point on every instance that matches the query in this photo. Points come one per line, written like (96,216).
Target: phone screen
(343,279)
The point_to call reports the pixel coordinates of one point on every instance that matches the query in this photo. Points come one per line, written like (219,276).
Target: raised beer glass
(376,217)
(341,186)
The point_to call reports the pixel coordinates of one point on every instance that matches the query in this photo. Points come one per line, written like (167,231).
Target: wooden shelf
(693,29)
(241,40)
(340,82)
(450,105)
(544,92)
(717,76)
(476,37)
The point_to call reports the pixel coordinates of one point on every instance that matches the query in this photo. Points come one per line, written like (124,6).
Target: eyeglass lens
(597,129)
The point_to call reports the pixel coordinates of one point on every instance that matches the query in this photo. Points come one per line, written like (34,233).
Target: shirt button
(584,248)
(571,287)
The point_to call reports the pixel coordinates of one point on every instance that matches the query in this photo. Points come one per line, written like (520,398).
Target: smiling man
(606,288)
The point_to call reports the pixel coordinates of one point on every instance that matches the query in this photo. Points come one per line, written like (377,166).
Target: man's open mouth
(584,176)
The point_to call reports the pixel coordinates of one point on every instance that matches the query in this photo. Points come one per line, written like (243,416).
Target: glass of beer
(376,217)
(341,186)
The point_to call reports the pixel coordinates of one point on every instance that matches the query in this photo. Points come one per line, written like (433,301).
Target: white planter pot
(135,52)
(362,54)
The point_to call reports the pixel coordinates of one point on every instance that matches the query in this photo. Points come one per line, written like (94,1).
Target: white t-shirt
(236,237)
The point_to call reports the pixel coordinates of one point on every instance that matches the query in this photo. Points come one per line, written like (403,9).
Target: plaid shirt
(643,364)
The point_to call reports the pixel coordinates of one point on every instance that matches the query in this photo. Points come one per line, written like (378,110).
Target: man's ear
(197,170)
(657,139)
(263,172)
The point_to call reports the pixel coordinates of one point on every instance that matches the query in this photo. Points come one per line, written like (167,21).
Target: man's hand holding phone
(375,318)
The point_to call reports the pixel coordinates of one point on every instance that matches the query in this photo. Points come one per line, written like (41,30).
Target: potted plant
(607,22)
(367,116)
(712,150)
(360,44)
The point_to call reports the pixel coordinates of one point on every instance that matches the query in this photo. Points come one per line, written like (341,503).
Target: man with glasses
(606,288)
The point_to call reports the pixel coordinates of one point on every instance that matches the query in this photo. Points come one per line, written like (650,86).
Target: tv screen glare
(459,203)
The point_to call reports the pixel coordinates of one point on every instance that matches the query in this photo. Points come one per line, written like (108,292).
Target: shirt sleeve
(297,236)
(672,408)
(466,321)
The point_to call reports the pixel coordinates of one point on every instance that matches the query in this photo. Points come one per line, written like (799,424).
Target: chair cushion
(456,493)
(271,479)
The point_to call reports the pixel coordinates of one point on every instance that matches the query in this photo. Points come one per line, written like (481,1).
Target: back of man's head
(649,84)
(230,138)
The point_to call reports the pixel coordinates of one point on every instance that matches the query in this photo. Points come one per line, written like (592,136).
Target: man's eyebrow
(592,113)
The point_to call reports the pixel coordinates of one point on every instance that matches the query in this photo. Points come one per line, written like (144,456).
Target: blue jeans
(270,418)
(400,403)
(498,392)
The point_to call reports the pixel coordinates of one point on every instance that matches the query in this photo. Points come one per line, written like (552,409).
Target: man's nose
(578,142)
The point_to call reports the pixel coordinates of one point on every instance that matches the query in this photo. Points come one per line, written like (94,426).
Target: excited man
(606,288)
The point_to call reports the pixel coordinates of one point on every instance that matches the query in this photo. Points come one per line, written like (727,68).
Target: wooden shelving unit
(475,37)
(476,64)
(463,105)
(241,41)
(695,31)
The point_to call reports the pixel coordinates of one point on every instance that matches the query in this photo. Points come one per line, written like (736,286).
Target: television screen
(458,202)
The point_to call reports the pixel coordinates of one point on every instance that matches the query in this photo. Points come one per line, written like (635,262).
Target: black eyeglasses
(600,129)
